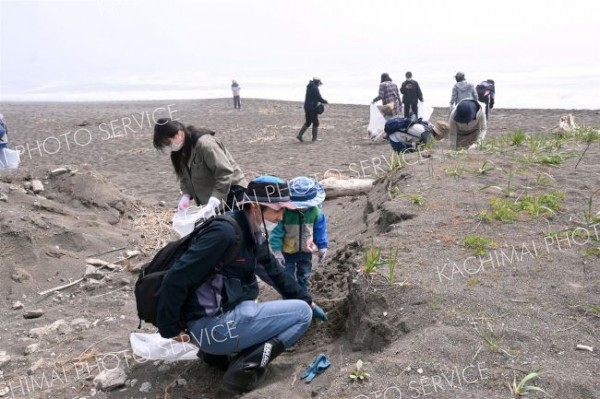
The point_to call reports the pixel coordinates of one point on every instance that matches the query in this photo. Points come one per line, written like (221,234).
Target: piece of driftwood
(584,348)
(62,287)
(345,187)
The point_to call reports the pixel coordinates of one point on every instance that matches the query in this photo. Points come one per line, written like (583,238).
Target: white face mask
(176,146)
(270,225)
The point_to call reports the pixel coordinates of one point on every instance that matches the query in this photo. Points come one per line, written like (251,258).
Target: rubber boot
(315,132)
(219,361)
(248,368)
(299,136)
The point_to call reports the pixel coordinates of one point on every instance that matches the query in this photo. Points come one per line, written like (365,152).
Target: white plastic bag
(185,221)
(376,123)
(9,159)
(154,347)
(424,110)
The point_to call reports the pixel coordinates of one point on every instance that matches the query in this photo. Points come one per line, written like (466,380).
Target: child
(302,231)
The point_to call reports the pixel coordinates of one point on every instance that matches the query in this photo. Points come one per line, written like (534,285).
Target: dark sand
(423,338)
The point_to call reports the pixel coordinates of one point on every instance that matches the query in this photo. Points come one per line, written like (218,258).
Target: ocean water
(548,88)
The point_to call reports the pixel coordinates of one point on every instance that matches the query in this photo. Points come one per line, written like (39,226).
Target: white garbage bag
(154,347)
(9,159)
(376,123)
(424,110)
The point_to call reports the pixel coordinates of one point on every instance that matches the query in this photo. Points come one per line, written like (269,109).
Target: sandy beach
(498,252)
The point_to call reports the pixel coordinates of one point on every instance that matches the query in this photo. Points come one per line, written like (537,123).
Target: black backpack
(148,285)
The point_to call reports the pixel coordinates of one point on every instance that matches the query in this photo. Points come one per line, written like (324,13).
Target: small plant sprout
(588,214)
(587,135)
(552,160)
(487,166)
(456,170)
(517,138)
(508,191)
(372,259)
(392,262)
(358,374)
(478,244)
(417,199)
(522,389)
(493,340)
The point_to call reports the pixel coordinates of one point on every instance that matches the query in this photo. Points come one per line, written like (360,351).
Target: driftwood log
(345,187)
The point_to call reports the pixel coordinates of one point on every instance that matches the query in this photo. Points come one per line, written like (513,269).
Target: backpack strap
(234,248)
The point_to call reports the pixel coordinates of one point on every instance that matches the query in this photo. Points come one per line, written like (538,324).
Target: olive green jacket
(211,172)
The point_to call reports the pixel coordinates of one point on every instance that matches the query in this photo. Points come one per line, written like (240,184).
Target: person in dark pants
(411,95)
(312,102)
(235,89)
(486,93)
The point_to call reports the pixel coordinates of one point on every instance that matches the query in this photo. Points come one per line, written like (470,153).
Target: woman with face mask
(207,172)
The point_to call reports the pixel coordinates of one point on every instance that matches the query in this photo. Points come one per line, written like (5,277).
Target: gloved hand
(322,255)
(214,202)
(374,100)
(319,313)
(184,202)
(450,108)
(318,365)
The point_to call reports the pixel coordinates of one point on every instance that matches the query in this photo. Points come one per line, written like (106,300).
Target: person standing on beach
(235,88)
(313,106)
(461,90)
(3,141)
(467,125)
(206,170)
(389,96)
(411,95)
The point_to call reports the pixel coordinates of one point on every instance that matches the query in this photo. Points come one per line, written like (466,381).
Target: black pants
(236,102)
(489,104)
(311,118)
(415,109)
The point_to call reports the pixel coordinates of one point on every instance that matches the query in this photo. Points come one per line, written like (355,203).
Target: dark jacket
(188,292)
(411,92)
(313,96)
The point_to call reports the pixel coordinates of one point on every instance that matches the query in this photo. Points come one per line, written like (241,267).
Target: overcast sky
(46,44)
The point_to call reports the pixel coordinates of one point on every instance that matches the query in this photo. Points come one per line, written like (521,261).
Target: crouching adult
(217,309)
(417,134)
(468,125)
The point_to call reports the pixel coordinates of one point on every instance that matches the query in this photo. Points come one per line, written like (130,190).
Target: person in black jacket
(312,102)
(411,95)
(219,311)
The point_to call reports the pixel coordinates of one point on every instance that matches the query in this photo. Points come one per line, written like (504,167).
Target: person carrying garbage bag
(206,171)
(9,159)
(313,107)
(215,308)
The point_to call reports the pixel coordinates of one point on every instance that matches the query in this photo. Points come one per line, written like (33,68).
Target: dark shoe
(248,368)
(315,133)
(301,132)
(219,361)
